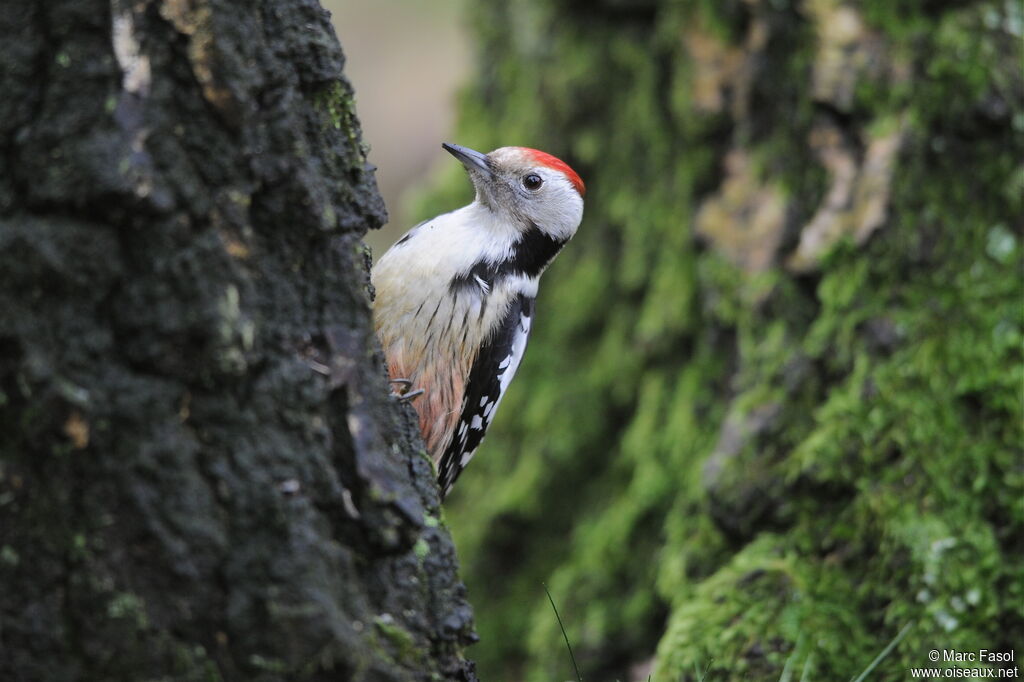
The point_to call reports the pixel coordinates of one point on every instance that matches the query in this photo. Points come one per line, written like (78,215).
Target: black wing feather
(500,355)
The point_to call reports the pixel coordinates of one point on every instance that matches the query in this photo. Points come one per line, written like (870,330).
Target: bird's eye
(532,182)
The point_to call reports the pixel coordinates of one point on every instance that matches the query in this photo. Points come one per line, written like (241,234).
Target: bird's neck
(518,245)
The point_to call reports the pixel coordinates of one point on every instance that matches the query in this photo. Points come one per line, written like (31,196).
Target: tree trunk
(771,409)
(201,474)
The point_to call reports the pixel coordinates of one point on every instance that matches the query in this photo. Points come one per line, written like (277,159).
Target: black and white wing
(492,372)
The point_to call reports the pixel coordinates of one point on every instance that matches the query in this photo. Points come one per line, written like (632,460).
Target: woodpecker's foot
(318,367)
(403,394)
(411,395)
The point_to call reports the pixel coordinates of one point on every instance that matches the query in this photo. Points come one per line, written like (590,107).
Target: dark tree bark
(201,474)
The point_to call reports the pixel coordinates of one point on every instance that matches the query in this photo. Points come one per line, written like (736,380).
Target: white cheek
(560,210)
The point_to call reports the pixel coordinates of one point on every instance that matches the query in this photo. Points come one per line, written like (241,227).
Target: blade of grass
(805,674)
(568,646)
(787,669)
(885,652)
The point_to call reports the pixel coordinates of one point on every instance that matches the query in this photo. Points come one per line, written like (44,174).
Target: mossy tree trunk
(201,474)
(771,410)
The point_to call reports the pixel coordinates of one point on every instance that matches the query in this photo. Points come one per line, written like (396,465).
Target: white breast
(430,330)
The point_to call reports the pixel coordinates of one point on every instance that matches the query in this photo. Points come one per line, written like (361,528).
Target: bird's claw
(411,395)
(403,394)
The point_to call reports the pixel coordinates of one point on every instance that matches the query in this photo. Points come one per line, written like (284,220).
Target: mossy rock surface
(771,410)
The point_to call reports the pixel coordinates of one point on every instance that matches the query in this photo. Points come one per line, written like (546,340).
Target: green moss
(763,609)
(337,103)
(400,641)
(9,556)
(270,665)
(128,606)
(754,468)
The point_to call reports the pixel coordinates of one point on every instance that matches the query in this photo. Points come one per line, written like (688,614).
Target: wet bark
(201,473)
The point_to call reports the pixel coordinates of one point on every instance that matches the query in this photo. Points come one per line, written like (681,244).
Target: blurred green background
(771,414)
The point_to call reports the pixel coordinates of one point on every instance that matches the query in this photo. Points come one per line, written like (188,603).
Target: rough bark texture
(201,474)
(771,409)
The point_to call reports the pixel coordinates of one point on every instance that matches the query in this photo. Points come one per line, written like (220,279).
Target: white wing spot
(477,424)
(513,360)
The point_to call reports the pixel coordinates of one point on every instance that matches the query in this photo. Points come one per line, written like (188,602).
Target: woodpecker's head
(530,187)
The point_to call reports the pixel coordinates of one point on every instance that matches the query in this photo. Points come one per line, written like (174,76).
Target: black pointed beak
(470,158)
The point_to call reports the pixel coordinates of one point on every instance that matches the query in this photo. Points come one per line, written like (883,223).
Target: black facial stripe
(534,250)
(530,255)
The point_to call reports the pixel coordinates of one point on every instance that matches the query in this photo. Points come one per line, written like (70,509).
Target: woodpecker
(455,295)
